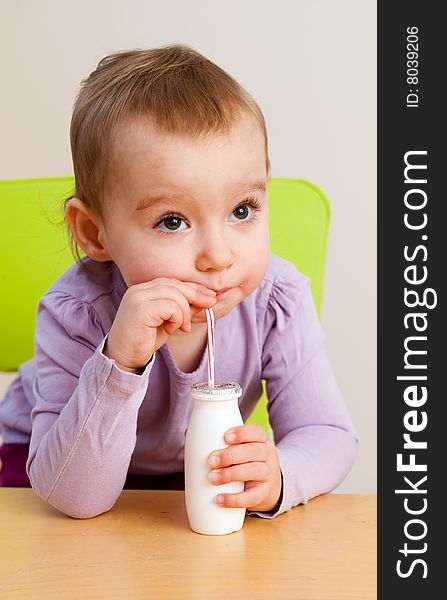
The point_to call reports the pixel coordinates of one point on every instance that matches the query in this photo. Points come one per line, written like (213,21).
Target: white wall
(310,65)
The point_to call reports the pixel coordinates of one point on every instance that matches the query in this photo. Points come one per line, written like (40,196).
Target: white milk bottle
(215,411)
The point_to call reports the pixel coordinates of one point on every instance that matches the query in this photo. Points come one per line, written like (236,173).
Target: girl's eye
(170,224)
(241,212)
(246,211)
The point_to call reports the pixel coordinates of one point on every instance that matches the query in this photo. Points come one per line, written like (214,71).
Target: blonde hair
(175,86)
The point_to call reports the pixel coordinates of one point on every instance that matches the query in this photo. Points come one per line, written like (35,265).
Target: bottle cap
(222,390)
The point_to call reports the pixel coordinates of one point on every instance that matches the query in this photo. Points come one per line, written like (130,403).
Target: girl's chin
(200,317)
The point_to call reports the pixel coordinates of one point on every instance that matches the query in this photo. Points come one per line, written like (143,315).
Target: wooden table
(143,548)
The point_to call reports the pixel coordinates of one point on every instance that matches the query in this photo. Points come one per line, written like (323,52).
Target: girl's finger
(169,314)
(250,497)
(166,292)
(252,471)
(239,454)
(194,299)
(246,433)
(195,293)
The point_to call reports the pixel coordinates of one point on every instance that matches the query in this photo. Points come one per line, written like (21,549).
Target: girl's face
(192,210)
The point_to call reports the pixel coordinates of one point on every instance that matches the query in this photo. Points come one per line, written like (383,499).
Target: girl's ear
(87,229)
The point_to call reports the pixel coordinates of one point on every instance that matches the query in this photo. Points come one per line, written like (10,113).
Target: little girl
(170,208)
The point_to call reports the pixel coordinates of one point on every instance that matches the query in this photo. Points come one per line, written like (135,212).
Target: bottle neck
(216,403)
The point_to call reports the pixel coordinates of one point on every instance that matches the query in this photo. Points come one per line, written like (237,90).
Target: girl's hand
(148,314)
(252,458)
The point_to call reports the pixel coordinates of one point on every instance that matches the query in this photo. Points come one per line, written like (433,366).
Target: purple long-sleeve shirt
(91,423)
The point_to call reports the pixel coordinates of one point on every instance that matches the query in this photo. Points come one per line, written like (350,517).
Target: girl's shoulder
(282,282)
(85,292)
(87,281)
(286,312)
(282,297)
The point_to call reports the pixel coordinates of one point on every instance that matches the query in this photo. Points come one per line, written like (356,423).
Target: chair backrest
(299,216)
(34,250)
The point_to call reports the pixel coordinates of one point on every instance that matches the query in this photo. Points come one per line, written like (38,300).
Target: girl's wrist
(133,370)
(138,371)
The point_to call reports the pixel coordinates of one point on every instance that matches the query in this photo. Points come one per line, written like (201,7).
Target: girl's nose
(215,254)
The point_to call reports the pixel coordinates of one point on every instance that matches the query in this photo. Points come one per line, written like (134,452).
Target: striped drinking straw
(210,322)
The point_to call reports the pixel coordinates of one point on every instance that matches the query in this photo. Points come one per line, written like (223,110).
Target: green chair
(34,251)
(299,216)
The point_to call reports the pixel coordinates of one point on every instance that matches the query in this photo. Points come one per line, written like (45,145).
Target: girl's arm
(84,420)
(317,443)
(313,431)
(85,417)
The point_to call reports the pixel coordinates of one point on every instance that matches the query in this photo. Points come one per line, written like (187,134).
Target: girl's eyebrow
(152,199)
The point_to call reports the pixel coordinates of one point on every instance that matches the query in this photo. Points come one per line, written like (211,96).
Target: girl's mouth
(220,293)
